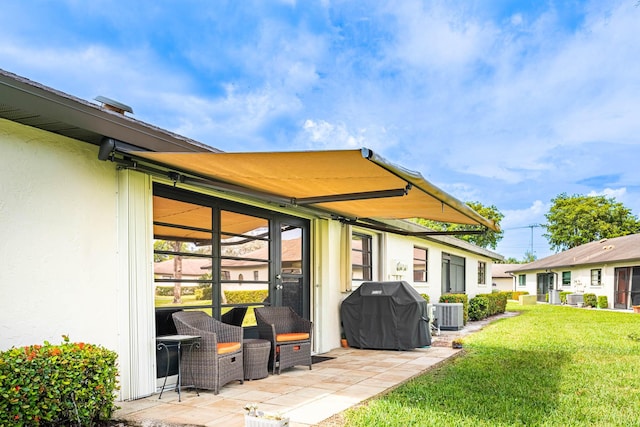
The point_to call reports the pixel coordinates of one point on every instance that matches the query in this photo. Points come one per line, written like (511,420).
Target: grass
(549,366)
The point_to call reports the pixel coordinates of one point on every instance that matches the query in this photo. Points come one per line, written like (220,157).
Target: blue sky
(505,102)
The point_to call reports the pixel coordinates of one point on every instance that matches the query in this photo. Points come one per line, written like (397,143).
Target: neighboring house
(501,280)
(609,267)
(86,186)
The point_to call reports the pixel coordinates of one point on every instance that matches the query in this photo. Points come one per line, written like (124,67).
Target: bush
(590,300)
(66,384)
(204,292)
(426,297)
(167,291)
(478,307)
(603,302)
(245,297)
(563,296)
(515,295)
(487,305)
(458,298)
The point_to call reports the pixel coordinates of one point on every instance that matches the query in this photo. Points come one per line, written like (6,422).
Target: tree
(575,220)
(488,239)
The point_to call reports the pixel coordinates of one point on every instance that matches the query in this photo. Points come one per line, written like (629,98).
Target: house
(87,190)
(500,279)
(609,267)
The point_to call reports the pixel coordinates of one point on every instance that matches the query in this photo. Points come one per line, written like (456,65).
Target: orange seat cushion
(292,336)
(228,347)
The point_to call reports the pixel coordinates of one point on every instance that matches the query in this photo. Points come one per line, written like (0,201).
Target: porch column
(135,285)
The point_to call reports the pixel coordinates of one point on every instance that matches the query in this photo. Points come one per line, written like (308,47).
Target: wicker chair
(289,334)
(218,360)
(235,316)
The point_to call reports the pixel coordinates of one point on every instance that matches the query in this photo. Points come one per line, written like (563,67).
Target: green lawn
(549,366)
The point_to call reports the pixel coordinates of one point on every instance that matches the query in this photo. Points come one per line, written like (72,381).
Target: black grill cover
(385,315)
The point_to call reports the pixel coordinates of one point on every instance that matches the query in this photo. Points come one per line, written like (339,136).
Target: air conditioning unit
(449,316)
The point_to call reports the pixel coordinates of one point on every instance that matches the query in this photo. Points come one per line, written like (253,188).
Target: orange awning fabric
(355,184)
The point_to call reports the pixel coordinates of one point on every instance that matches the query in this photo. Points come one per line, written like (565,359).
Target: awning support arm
(399,192)
(402,232)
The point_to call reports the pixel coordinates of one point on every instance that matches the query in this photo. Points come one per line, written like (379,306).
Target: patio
(307,397)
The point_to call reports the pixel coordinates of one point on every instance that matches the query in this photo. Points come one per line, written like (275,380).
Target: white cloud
(322,134)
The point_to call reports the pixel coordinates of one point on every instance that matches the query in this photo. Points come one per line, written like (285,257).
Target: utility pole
(532,226)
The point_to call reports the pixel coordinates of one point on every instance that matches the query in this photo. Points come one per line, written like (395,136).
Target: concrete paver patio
(307,397)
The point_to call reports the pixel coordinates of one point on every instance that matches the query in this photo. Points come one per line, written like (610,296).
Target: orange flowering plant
(65,384)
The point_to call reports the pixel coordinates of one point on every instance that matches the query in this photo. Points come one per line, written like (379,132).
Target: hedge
(515,295)
(590,300)
(603,302)
(563,296)
(484,305)
(50,385)
(246,297)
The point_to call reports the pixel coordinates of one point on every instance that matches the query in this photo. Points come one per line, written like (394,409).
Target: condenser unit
(449,316)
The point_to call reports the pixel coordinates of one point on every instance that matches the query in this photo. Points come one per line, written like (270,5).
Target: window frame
(366,257)
(522,280)
(482,273)
(423,272)
(598,272)
(566,283)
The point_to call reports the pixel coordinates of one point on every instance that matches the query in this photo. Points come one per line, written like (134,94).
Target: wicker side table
(256,358)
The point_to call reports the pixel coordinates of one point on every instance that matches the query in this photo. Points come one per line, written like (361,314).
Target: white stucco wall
(400,248)
(581,280)
(59,240)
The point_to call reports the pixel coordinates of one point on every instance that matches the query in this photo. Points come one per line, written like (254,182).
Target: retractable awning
(354,184)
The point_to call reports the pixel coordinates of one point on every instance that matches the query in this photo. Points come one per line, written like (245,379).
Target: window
(482,273)
(361,268)
(256,275)
(522,280)
(566,278)
(596,277)
(420,257)
(225,275)
(453,274)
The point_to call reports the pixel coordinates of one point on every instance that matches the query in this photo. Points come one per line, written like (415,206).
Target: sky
(508,103)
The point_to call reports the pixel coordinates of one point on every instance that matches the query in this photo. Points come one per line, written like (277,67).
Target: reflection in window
(522,280)
(419,264)
(482,273)
(566,278)
(244,253)
(361,257)
(182,253)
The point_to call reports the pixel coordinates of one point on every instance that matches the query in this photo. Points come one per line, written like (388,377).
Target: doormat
(318,359)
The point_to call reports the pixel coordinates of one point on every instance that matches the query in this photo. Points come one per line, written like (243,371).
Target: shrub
(426,297)
(245,297)
(204,292)
(167,291)
(563,296)
(66,384)
(590,300)
(515,295)
(452,298)
(478,307)
(493,303)
(603,302)
(164,291)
